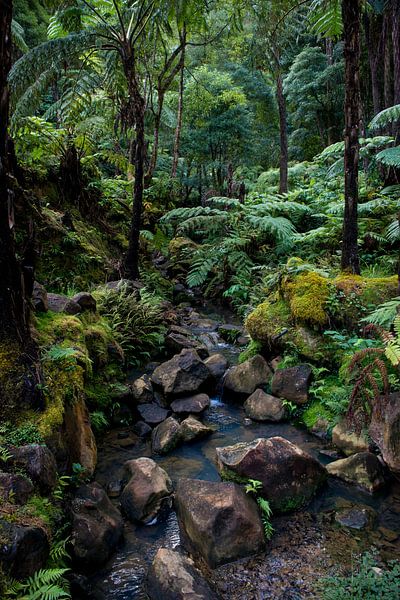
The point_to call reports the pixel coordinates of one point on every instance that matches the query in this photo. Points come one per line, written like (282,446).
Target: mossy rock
(267,322)
(308,295)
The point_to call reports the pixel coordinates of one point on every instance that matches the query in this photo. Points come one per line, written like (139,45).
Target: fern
(386,117)
(326,18)
(389,157)
(384,314)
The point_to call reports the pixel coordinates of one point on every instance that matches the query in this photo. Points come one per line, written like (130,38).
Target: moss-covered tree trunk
(351,12)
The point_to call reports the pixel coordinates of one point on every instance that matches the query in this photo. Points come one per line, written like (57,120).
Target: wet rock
(243,379)
(264,407)
(132,286)
(96,525)
(142,429)
(142,390)
(289,475)
(192,429)
(39,298)
(385,431)
(217,521)
(114,489)
(116,353)
(355,518)
(15,488)
(292,383)
(152,413)
(23,549)
(184,374)
(176,342)
(192,405)
(363,469)
(121,393)
(38,463)
(206,324)
(348,441)
(85,301)
(217,365)
(174,577)
(149,485)
(62,304)
(78,432)
(166,436)
(181,294)
(230,333)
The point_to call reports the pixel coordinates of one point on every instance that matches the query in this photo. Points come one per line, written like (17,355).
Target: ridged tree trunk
(373,39)
(396,58)
(351,12)
(178,129)
(387,60)
(283,136)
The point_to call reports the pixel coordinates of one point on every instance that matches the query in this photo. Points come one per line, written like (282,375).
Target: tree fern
(390,157)
(384,314)
(386,117)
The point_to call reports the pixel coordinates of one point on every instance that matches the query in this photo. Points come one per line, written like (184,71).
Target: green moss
(12,377)
(229,475)
(317,412)
(252,349)
(291,504)
(267,321)
(308,295)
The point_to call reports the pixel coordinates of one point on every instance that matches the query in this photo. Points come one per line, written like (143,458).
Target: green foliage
(45,584)
(25,433)
(253,486)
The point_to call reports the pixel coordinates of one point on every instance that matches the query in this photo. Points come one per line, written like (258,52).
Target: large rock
(292,383)
(15,488)
(174,577)
(217,365)
(152,413)
(349,442)
(264,407)
(39,298)
(62,304)
(217,521)
(192,429)
(78,431)
(289,476)
(142,390)
(38,463)
(23,549)
(176,342)
(230,333)
(183,375)
(363,469)
(385,431)
(192,405)
(96,525)
(243,379)
(166,436)
(85,300)
(149,485)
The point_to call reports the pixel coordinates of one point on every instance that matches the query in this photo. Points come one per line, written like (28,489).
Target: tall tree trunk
(396,58)
(373,39)
(283,164)
(351,13)
(387,60)
(156,139)
(178,129)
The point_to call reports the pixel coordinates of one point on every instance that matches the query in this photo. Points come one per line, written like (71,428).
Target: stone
(15,488)
(244,379)
(24,549)
(142,390)
(385,431)
(218,521)
(363,469)
(39,298)
(166,436)
(78,432)
(355,517)
(292,383)
(230,333)
(348,441)
(96,526)
(142,429)
(114,489)
(176,342)
(62,304)
(85,301)
(289,476)
(192,429)
(148,487)
(152,413)
(132,286)
(38,463)
(182,375)
(264,407)
(217,364)
(174,577)
(191,405)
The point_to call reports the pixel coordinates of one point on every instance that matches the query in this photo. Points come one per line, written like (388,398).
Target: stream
(123,576)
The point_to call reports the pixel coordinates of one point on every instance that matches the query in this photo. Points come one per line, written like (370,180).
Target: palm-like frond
(386,117)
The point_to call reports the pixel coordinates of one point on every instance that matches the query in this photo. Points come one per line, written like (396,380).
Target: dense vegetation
(194,150)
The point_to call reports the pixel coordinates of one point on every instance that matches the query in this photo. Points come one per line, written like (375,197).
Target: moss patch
(267,321)
(308,295)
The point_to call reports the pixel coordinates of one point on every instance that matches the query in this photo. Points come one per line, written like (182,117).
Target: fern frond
(385,117)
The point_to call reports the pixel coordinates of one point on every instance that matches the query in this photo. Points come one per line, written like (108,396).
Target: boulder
(191,405)
(149,485)
(349,442)
(218,521)
(230,333)
(182,375)
(142,390)
(38,463)
(80,437)
(142,429)
(85,301)
(176,342)
(23,549)
(192,429)
(363,469)
(132,286)
(356,517)
(96,525)
(289,476)
(264,407)
(292,383)
(152,413)
(385,431)
(175,577)
(217,364)
(166,436)
(15,488)
(39,298)
(62,304)
(243,379)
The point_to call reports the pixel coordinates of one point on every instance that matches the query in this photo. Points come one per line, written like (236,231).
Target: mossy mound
(308,295)
(267,322)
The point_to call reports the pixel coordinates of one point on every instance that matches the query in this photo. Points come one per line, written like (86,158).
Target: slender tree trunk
(283,164)
(178,129)
(387,61)
(351,12)
(396,58)
(373,39)
(156,139)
